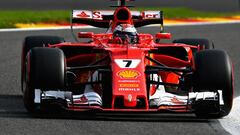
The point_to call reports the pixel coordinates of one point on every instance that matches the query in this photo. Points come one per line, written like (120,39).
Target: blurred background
(202,5)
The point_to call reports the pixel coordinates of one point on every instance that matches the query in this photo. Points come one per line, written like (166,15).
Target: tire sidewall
(214,72)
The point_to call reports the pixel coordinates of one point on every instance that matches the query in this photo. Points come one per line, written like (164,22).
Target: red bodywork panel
(128,82)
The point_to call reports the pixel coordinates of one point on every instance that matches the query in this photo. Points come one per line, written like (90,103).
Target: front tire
(31,42)
(214,72)
(45,69)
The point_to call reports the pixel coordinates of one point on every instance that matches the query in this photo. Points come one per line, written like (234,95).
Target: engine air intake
(123,15)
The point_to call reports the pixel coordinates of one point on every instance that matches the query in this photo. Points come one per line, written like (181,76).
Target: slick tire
(214,72)
(36,41)
(45,70)
(204,43)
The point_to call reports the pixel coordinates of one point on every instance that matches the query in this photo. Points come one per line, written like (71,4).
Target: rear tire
(36,41)
(45,69)
(214,72)
(204,43)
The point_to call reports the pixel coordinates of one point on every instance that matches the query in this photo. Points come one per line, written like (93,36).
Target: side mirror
(85,34)
(163,36)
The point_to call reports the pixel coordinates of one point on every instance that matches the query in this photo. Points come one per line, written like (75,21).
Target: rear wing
(103,18)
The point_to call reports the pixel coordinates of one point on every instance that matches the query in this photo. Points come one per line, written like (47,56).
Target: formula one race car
(126,71)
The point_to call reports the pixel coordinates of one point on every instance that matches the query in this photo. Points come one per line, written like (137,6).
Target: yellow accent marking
(128,74)
(129,85)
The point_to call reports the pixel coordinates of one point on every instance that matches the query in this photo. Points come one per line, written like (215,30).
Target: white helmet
(126,31)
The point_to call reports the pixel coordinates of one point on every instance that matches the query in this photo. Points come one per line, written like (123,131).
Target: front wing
(167,102)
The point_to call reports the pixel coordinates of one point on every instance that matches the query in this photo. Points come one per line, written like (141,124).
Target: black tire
(107,93)
(36,41)
(204,43)
(214,72)
(45,69)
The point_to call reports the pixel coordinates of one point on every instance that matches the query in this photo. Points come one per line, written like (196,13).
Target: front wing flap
(92,101)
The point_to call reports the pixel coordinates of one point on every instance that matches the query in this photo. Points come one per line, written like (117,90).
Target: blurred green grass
(8,19)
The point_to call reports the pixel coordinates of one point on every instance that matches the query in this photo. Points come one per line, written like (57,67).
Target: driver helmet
(126,32)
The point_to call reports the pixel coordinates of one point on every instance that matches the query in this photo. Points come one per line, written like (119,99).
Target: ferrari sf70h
(123,70)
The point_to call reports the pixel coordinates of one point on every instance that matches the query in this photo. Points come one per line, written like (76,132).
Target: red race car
(126,71)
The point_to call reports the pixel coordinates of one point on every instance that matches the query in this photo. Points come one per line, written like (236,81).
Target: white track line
(231,123)
(88,27)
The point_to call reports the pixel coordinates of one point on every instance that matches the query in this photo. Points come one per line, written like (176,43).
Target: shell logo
(128,74)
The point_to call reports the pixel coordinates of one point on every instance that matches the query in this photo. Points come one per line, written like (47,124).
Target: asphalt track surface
(204,5)
(14,120)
